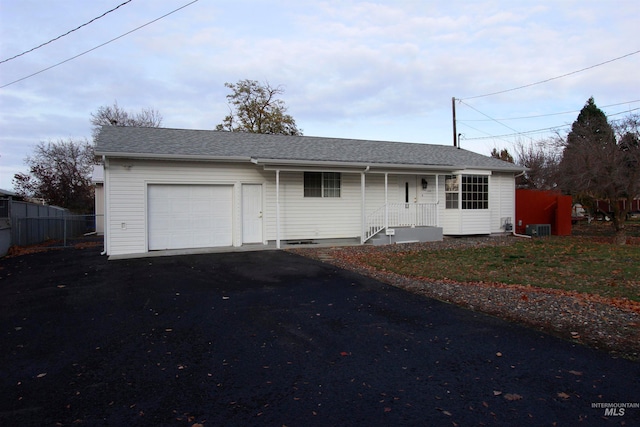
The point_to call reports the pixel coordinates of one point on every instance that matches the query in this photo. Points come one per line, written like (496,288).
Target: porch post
(278,208)
(364,210)
(386,201)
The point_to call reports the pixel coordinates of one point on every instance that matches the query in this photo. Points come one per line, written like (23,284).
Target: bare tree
(541,160)
(114,115)
(597,164)
(59,173)
(255,108)
(502,155)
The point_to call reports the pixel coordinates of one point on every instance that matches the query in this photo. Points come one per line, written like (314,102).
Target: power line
(99,46)
(622,112)
(546,115)
(535,130)
(500,123)
(518,133)
(481,131)
(65,34)
(553,78)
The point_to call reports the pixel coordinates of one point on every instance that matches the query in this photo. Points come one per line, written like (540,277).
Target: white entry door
(189,216)
(408,198)
(252,213)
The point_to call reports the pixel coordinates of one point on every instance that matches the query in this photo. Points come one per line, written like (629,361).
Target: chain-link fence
(33,230)
(25,223)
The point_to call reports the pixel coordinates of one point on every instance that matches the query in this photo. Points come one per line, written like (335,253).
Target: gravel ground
(592,320)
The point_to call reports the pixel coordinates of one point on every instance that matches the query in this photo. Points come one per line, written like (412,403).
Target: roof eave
(274,163)
(189,157)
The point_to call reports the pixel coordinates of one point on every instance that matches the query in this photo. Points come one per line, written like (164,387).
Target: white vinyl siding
(301,218)
(458,222)
(374,198)
(314,217)
(127,195)
(502,200)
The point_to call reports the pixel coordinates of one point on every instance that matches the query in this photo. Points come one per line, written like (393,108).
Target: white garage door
(189,216)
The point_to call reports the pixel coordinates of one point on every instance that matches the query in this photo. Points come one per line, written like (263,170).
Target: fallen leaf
(497,393)
(387,409)
(41,375)
(575,372)
(344,353)
(499,354)
(563,395)
(512,396)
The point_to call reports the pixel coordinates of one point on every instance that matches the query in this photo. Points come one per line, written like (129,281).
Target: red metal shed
(543,207)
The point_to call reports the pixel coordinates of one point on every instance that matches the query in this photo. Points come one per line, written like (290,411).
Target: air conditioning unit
(538,230)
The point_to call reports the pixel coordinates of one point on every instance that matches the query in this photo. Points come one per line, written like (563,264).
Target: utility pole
(455,134)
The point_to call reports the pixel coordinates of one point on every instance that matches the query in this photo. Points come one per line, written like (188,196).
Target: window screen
(322,184)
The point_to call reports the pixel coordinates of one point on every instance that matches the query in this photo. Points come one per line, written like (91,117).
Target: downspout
(278,208)
(519,235)
(513,230)
(105,225)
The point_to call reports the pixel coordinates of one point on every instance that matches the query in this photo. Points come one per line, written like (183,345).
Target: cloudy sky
(384,70)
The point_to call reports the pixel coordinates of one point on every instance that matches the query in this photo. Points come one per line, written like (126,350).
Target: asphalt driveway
(271,338)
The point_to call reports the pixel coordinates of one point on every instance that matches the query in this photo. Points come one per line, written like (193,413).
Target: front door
(408,199)
(251,213)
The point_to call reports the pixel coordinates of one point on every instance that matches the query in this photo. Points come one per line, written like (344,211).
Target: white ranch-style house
(187,189)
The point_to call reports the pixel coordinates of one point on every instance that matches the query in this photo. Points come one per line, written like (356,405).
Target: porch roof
(186,144)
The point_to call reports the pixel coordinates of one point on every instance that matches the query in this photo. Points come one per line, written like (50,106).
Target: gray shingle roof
(183,143)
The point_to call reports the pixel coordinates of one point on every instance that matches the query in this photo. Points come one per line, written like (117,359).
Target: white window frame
(330,185)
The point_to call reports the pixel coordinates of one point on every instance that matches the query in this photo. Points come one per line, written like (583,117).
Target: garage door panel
(189,216)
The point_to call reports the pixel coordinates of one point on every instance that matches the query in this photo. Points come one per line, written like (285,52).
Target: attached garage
(189,216)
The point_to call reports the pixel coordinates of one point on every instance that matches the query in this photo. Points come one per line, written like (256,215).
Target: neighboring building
(6,198)
(603,209)
(173,188)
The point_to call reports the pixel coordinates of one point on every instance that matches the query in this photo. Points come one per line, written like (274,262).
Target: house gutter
(272,164)
(282,164)
(186,157)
